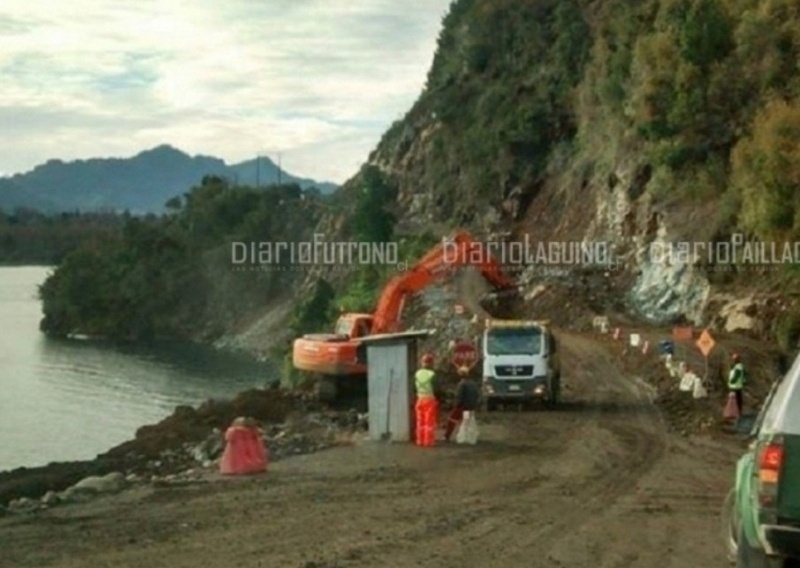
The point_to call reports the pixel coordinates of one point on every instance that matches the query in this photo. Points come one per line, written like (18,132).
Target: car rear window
(783,414)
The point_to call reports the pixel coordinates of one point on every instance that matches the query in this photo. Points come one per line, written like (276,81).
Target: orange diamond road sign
(705,343)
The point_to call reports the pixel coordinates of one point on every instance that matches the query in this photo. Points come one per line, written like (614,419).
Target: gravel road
(601,482)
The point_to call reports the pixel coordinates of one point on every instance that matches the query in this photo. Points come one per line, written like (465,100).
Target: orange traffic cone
(731,410)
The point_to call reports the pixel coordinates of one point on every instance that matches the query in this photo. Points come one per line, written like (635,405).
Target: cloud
(317,80)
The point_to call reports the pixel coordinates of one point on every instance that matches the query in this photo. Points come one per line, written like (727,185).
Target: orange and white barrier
(731,410)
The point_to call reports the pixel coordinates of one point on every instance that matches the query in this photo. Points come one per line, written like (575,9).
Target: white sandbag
(468,429)
(461,433)
(687,382)
(698,389)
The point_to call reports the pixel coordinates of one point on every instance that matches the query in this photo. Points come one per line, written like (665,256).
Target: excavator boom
(461,250)
(336,356)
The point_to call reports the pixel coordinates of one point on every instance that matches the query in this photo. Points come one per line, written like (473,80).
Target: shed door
(389,392)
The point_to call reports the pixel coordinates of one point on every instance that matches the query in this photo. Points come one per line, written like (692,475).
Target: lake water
(63,400)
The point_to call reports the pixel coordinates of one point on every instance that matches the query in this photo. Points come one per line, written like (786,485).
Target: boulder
(110,483)
(50,498)
(210,448)
(23,504)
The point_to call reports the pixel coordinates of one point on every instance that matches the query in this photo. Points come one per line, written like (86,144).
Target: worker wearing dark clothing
(468,397)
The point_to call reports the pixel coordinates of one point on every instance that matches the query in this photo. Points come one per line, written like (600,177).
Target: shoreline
(190,438)
(182,425)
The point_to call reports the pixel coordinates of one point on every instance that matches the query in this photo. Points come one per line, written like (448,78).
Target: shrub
(766,172)
(787,330)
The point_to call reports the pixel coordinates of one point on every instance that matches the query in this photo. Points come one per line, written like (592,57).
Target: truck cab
(520,363)
(765,501)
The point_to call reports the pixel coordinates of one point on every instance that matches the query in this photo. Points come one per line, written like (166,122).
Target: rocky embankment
(183,448)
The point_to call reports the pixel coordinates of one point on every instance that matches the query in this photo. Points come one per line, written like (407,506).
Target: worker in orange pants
(426,407)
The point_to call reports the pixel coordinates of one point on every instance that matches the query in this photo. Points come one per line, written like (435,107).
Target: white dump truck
(520,363)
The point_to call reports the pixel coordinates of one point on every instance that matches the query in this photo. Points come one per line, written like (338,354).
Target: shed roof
(399,336)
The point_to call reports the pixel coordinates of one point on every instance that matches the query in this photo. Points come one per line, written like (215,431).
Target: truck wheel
(491,405)
(750,557)
(554,395)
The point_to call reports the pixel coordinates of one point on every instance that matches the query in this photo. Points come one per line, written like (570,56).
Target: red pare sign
(465,354)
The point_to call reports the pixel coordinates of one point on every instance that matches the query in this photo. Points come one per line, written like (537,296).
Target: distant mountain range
(140,184)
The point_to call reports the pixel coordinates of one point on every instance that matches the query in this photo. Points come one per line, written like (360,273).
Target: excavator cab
(354,325)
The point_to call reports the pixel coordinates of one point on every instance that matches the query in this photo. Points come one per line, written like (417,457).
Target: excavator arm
(448,255)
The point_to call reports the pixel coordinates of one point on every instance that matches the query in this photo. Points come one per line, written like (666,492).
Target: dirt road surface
(598,483)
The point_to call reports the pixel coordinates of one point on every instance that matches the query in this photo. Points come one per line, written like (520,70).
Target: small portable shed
(391,364)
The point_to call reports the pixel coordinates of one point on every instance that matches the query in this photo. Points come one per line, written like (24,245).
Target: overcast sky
(317,80)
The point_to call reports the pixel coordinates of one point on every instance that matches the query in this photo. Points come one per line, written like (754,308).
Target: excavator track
(342,393)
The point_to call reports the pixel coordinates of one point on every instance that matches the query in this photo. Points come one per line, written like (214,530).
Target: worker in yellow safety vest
(736,380)
(426,407)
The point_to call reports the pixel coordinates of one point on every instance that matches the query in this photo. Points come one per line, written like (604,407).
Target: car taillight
(770,461)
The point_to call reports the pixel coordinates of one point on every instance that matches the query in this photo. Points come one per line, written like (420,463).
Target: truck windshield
(514,342)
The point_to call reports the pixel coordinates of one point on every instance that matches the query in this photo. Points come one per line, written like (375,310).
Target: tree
(766,171)
(372,221)
(316,312)
(706,35)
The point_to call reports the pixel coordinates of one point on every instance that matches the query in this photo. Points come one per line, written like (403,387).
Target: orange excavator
(336,358)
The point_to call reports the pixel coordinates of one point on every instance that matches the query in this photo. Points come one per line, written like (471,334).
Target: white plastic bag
(699,390)
(687,382)
(467,429)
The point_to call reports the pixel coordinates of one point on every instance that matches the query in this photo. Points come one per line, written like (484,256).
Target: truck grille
(513,370)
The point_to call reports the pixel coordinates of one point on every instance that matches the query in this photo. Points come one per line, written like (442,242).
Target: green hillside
(701,94)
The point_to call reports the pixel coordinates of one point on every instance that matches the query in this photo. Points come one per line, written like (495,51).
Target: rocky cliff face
(538,122)
(611,211)
(637,126)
